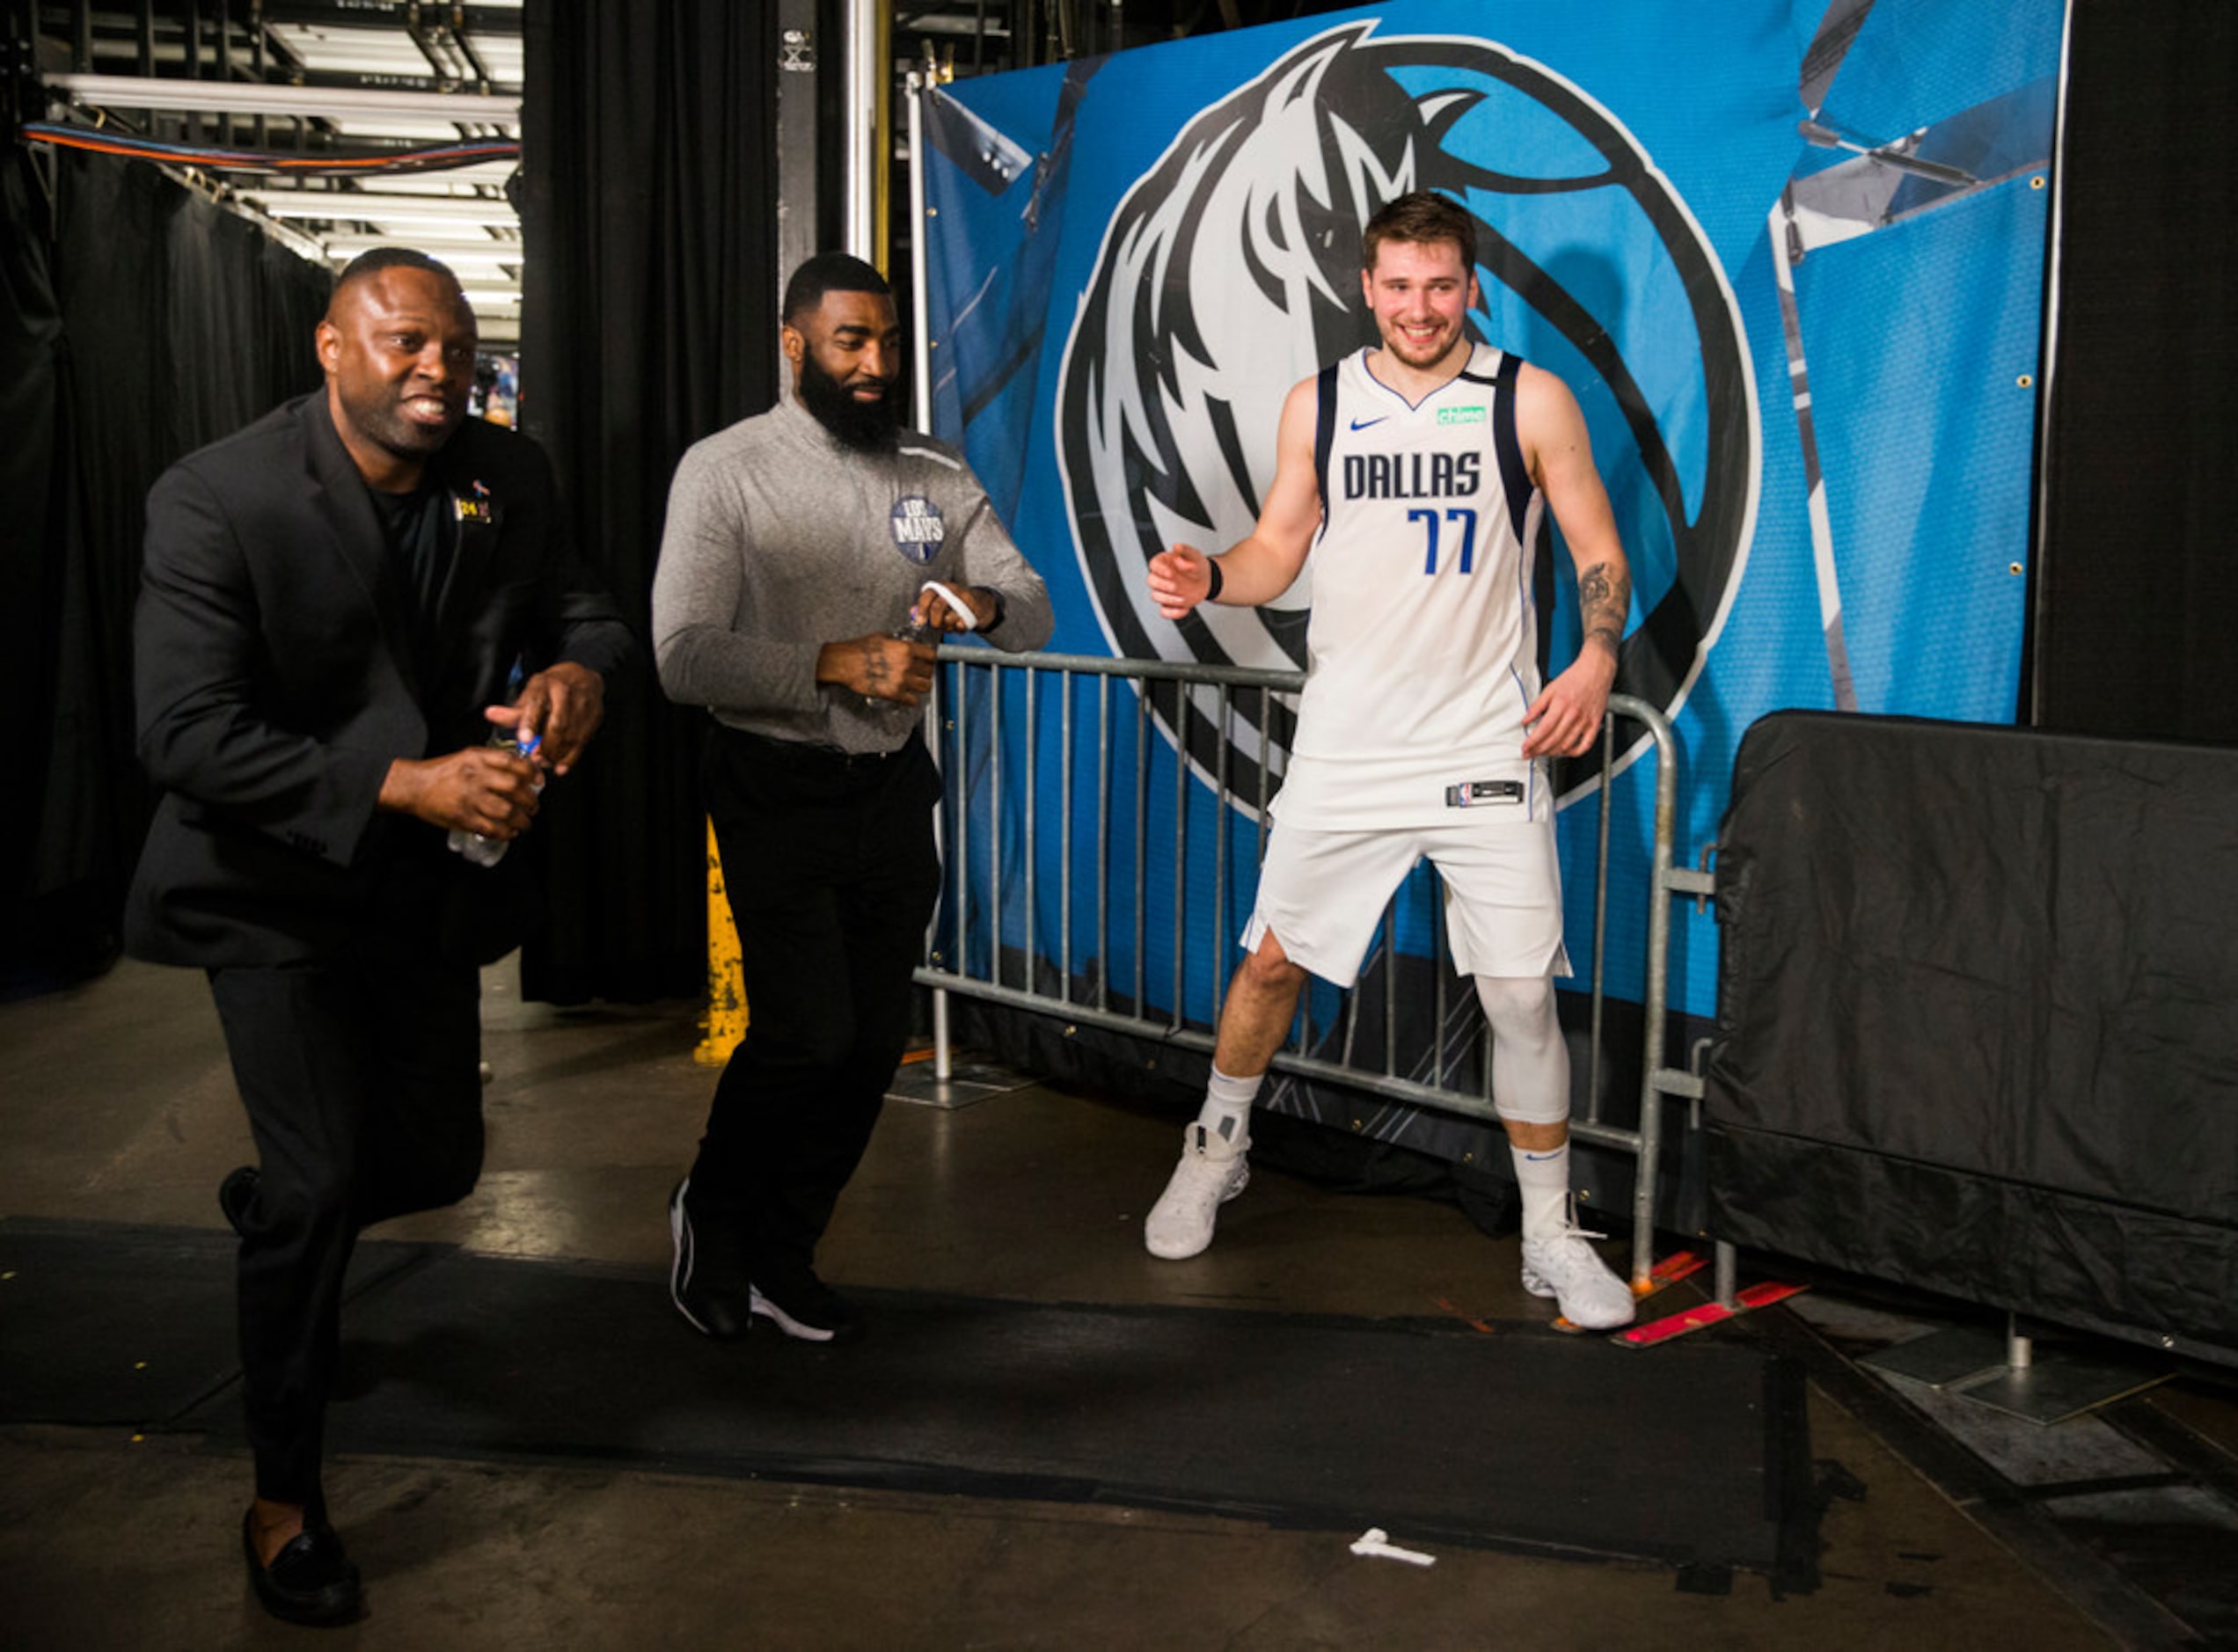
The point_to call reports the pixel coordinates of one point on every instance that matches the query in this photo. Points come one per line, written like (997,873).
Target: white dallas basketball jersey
(1423,647)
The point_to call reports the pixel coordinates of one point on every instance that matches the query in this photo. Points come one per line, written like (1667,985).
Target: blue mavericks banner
(1788,256)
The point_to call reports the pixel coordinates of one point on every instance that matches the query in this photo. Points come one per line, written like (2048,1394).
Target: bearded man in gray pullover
(799,543)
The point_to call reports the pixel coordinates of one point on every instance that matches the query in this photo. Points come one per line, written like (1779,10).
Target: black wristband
(1001,607)
(1212,571)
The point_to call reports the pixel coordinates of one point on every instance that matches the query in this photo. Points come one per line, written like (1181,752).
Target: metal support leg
(943,1058)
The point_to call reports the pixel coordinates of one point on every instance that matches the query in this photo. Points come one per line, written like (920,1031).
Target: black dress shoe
(705,1281)
(234,1194)
(311,1581)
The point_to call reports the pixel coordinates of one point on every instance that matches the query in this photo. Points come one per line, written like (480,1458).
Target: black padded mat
(105,1324)
(1693,1455)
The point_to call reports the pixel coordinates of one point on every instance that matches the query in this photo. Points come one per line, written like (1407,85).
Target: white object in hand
(956,604)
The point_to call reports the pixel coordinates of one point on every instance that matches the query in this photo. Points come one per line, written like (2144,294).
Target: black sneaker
(234,1194)
(800,1304)
(704,1291)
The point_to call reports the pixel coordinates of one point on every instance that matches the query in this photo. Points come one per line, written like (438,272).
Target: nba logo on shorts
(919,530)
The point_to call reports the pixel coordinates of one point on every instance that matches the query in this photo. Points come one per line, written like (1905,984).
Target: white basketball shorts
(1322,894)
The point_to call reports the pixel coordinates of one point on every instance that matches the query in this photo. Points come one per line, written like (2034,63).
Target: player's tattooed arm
(1603,601)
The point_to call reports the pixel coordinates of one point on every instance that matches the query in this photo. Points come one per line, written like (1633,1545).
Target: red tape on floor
(1709,1313)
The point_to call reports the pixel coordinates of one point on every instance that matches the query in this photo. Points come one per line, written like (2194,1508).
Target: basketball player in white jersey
(1416,475)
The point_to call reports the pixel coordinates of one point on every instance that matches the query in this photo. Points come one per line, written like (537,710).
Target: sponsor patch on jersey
(919,530)
(1461,415)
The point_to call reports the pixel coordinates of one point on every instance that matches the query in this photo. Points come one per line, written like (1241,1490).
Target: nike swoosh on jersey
(1362,424)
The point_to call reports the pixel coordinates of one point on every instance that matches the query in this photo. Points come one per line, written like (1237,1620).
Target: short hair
(366,265)
(829,273)
(1421,218)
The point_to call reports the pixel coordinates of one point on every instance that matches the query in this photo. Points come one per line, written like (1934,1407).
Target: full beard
(868,427)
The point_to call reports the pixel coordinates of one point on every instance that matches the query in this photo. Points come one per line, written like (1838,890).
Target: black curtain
(2028,1097)
(2138,583)
(138,321)
(648,320)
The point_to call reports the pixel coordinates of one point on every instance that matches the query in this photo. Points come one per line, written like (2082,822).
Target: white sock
(1226,1112)
(1543,1179)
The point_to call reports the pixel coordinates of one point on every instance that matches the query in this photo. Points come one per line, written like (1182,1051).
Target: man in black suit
(339,606)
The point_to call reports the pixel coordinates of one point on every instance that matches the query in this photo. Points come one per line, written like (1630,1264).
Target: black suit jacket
(275,681)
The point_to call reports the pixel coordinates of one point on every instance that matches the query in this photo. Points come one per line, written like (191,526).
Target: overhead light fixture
(221,97)
(442,244)
(355,204)
(453,238)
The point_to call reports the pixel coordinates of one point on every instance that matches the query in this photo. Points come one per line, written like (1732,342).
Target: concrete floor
(119,1107)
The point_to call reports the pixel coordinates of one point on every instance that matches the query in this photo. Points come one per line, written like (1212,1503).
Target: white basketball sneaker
(1212,1172)
(1567,1269)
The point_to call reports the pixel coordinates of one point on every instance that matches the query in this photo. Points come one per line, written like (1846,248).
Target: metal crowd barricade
(973,740)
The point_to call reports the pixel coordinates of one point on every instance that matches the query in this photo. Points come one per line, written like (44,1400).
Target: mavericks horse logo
(1230,272)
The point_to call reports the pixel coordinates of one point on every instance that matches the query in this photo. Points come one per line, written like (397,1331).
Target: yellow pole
(726,1020)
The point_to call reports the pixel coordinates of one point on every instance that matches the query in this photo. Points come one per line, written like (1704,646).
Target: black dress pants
(832,873)
(362,1079)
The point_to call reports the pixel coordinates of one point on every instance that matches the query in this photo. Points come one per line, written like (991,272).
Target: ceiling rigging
(339,124)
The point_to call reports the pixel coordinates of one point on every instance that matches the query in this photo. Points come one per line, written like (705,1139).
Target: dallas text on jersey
(1411,475)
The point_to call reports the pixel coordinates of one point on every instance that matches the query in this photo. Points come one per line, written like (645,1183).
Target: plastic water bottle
(488,852)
